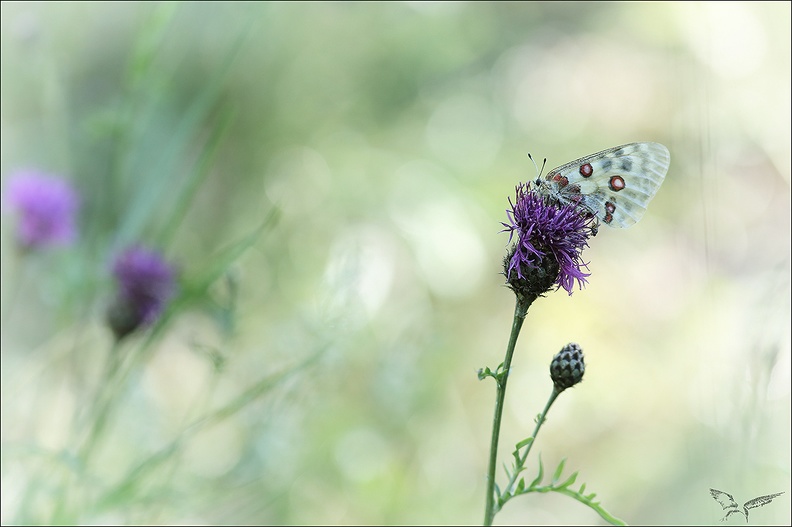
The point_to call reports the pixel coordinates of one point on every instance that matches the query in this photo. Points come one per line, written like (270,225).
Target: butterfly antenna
(534,164)
(538,170)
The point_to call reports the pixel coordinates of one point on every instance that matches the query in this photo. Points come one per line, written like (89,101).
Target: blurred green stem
(145,468)
(21,267)
(520,309)
(109,386)
(106,392)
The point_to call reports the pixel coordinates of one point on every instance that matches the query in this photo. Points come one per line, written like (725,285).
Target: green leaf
(484,373)
(219,263)
(516,456)
(586,500)
(569,481)
(158,135)
(558,471)
(562,488)
(186,195)
(520,486)
(525,442)
(538,479)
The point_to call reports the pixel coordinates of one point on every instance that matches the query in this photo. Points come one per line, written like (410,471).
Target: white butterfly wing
(616,184)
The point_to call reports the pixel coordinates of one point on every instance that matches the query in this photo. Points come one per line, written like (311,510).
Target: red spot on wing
(586,170)
(608,217)
(610,207)
(561,180)
(616,183)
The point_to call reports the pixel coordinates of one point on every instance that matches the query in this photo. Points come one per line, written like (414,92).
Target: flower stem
(539,422)
(519,467)
(70,492)
(520,309)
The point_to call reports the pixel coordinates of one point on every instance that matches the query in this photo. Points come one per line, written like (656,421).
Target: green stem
(521,460)
(96,419)
(520,309)
(108,388)
(539,423)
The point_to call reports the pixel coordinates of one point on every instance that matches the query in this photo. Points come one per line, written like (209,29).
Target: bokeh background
(362,155)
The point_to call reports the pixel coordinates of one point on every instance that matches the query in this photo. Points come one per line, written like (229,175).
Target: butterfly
(614,185)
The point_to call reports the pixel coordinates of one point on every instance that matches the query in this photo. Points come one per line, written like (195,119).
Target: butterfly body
(614,185)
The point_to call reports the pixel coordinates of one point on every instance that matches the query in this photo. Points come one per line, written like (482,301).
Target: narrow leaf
(569,481)
(558,471)
(524,442)
(186,195)
(219,263)
(538,479)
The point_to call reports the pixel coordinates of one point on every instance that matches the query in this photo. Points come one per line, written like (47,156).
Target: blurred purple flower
(146,283)
(46,206)
(547,229)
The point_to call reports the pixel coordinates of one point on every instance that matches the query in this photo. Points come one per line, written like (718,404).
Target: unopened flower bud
(567,367)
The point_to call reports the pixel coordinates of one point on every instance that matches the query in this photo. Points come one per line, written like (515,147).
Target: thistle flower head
(46,207)
(550,239)
(146,283)
(567,367)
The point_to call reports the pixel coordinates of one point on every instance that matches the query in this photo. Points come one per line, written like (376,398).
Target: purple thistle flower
(550,239)
(46,206)
(146,283)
